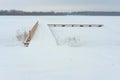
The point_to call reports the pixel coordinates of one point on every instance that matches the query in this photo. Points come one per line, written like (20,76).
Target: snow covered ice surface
(87,53)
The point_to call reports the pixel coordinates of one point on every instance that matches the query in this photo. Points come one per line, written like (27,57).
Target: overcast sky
(61,5)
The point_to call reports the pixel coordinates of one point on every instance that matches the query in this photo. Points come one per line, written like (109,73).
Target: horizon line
(58,11)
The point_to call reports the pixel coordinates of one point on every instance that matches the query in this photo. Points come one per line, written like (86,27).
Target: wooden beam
(31,34)
(75,25)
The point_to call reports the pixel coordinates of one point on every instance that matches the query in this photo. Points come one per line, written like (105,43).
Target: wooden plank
(75,25)
(31,34)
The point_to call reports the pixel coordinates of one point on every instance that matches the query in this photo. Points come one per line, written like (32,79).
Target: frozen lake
(53,55)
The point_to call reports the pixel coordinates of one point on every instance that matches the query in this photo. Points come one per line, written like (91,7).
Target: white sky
(61,5)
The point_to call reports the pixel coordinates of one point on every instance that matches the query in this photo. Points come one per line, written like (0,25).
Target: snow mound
(72,41)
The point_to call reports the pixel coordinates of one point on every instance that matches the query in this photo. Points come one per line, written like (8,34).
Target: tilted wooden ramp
(31,34)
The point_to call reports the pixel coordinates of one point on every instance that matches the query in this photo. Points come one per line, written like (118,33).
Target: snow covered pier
(75,25)
(31,34)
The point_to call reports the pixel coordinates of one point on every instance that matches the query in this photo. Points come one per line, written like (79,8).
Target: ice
(60,53)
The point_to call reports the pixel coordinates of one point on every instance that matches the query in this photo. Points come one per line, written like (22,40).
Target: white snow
(95,55)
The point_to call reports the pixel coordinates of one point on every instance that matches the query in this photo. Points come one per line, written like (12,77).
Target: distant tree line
(89,13)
